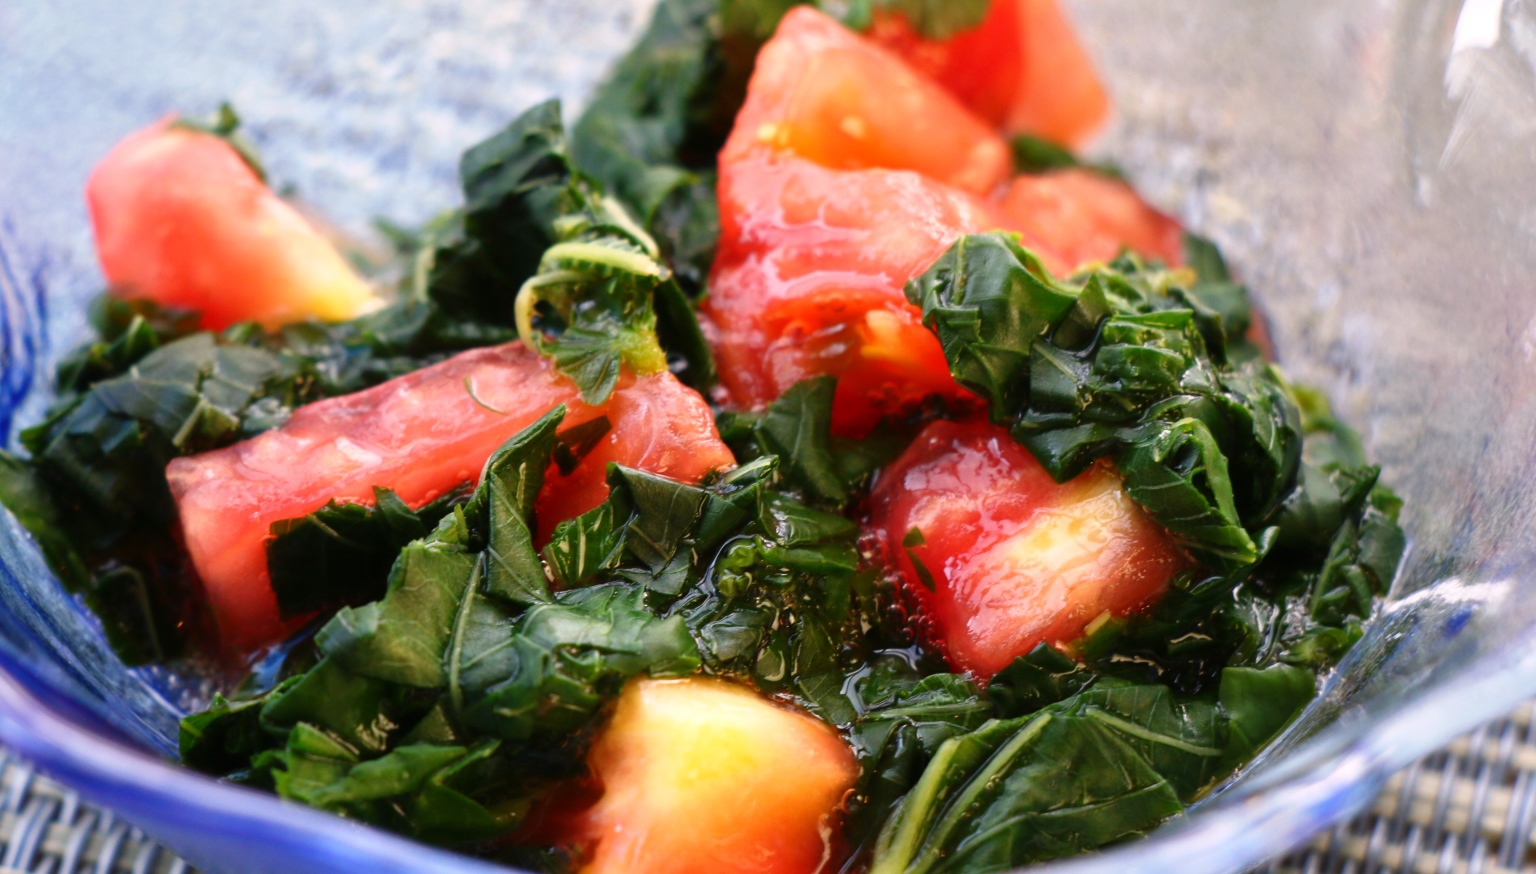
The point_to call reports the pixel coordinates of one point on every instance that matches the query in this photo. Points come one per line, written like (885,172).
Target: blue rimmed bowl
(1370,169)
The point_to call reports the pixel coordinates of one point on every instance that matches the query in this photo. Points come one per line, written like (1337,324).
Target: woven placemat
(46,829)
(1467,809)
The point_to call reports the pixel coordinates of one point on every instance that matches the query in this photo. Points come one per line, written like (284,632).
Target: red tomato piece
(1062,98)
(1022,69)
(1016,559)
(657,424)
(704,775)
(1085,217)
(830,96)
(982,67)
(180,218)
(809,278)
(422,434)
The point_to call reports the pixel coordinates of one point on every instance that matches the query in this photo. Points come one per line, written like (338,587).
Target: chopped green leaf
(509,487)
(570,656)
(340,555)
(402,637)
(1120,363)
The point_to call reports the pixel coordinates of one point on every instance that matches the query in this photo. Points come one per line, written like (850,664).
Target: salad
(802,463)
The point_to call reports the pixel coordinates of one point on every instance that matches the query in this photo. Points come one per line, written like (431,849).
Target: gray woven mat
(1468,809)
(47,829)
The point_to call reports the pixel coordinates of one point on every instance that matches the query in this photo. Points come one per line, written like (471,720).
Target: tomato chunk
(704,775)
(1015,558)
(832,97)
(422,434)
(1062,98)
(982,67)
(809,279)
(1083,217)
(1021,69)
(180,218)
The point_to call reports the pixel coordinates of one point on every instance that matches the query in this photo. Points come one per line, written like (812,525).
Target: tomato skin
(1022,69)
(705,775)
(180,218)
(834,98)
(423,435)
(1016,558)
(1084,217)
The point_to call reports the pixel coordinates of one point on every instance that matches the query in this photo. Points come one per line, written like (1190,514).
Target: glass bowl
(1368,167)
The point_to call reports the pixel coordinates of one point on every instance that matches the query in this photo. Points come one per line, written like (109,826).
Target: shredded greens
(470,649)
(1129,362)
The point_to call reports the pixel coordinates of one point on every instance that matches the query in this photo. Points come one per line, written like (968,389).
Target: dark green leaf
(1034,155)
(589,544)
(508,488)
(340,555)
(591,307)
(1259,703)
(402,638)
(988,299)
(654,126)
(663,513)
(440,812)
(224,737)
(797,429)
(516,185)
(27,496)
(399,772)
(568,656)
(129,330)
(138,613)
(1184,741)
(1180,475)
(1071,785)
(1036,680)
(1110,760)
(677,328)
(312,761)
(350,707)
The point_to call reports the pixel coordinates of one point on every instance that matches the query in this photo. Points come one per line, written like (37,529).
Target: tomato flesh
(423,435)
(180,218)
(982,67)
(704,775)
(808,281)
(1062,98)
(1022,69)
(1016,559)
(1083,217)
(834,98)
